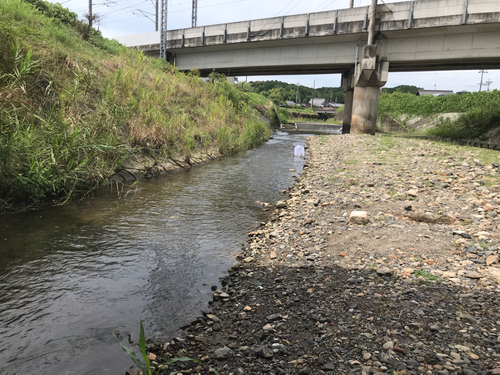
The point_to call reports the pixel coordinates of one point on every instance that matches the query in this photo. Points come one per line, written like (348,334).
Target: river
(71,276)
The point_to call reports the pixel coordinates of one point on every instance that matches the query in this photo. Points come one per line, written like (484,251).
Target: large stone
(359,217)
(223,353)
(384,271)
(263,351)
(412,193)
(492,259)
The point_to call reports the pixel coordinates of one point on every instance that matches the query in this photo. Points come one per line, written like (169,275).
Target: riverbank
(74,106)
(383,259)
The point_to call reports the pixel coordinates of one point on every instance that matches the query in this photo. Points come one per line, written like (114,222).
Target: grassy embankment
(480,112)
(71,110)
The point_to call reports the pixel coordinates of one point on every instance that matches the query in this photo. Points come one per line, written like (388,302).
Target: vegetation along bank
(74,106)
(466,116)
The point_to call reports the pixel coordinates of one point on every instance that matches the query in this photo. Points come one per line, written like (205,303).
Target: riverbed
(71,276)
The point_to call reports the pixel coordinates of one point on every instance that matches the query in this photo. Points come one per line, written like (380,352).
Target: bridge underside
(449,48)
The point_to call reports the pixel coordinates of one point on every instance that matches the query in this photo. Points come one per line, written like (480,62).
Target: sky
(125,17)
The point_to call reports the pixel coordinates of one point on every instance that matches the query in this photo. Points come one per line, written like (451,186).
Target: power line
(329,4)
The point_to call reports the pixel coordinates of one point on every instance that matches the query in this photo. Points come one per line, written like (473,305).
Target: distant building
(434,92)
(316,102)
(289,102)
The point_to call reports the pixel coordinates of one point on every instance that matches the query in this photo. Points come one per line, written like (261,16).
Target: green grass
(426,274)
(301,110)
(257,99)
(480,112)
(71,109)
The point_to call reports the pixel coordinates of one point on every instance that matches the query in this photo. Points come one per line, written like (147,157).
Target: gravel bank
(382,259)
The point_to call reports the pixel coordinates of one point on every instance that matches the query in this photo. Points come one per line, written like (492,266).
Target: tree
(402,88)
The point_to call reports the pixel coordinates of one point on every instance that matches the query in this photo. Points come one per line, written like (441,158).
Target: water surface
(72,275)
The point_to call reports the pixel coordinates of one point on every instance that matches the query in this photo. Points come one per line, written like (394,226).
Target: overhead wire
(269,29)
(328,5)
(173,11)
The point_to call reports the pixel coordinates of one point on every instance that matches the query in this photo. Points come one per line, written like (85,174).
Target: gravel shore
(383,258)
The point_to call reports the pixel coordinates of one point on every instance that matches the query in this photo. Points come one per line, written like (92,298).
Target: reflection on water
(72,275)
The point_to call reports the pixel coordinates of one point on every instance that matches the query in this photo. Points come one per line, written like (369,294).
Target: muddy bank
(383,259)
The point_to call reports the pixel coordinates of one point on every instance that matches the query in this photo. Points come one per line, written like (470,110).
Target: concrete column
(365,110)
(347,87)
(346,123)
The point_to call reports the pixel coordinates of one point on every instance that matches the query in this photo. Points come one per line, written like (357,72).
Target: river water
(71,276)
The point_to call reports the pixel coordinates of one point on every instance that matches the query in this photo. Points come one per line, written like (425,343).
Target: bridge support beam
(348,88)
(371,75)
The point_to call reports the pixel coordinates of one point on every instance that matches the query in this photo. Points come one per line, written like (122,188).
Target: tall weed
(72,110)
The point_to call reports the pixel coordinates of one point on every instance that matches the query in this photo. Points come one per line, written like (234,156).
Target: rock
(328,367)
(280,204)
(213,317)
(133,371)
(367,356)
(248,259)
(407,271)
(267,327)
(388,345)
(474,275)
(273,255)
(434,328)
(461,233)
(412,193)
(359,217)
(492,259)
(223,353)
(263,351)
(386,358)
(242,315)
(152,356)
(384,271)
(412,363)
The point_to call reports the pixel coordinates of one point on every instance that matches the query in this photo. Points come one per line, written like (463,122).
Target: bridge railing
(393,16)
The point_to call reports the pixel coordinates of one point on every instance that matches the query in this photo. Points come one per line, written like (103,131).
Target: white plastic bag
(299,151)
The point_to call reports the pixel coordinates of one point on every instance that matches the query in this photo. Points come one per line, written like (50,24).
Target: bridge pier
(348,88)
(371,75)
(365,110)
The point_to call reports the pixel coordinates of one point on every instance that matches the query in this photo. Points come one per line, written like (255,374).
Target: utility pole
(371,30)
(163,30)
(156,16)
(194,20)
(297,95)
(489,82)
(351,3)
(90,14)
(482,71)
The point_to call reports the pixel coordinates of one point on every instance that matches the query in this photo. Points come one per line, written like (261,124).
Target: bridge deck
(412,35)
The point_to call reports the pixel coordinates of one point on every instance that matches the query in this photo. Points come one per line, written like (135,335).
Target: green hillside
(74,105)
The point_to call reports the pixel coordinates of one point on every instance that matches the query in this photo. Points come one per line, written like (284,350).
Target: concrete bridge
(363,44)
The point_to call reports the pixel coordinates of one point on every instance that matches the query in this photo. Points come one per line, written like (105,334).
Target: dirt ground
(383,258)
